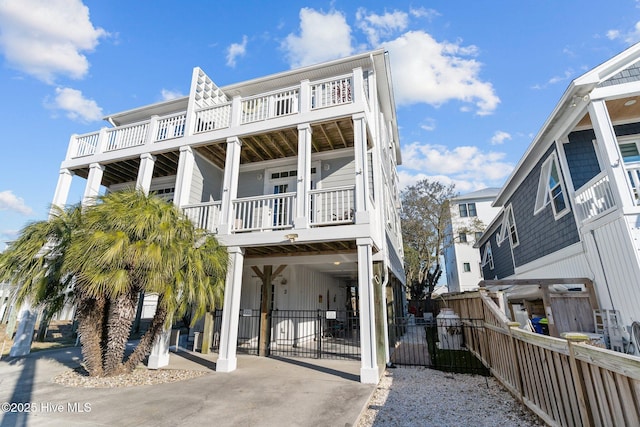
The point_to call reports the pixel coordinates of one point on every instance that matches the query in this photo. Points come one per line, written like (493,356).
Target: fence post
(578,381)
(515,360)
(319,335)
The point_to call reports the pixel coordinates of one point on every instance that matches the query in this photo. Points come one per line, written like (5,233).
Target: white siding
(206,181)
(614,247)
(341,172)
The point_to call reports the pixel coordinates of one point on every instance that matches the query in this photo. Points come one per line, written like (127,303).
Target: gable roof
(571,108)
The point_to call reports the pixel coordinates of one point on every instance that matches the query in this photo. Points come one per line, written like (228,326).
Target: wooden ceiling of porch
(280,143)
(294,249)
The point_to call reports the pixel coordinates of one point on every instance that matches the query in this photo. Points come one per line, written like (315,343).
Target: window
(487,257)
(467,267)
(551,188)
(508,228)
(462,237)
(467,209)
(478,235)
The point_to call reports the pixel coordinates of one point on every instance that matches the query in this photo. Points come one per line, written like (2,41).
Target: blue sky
(474,81)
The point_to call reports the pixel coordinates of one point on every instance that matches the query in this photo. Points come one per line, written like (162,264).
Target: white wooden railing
(86,145)
(127,136)
(212,118)
(595,197)
(271,212)
(324,93)
(171,127)
(331,92)
(332,205)
(268,106)
(204,215)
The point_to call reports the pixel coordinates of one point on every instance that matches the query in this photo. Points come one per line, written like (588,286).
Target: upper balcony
(319,100)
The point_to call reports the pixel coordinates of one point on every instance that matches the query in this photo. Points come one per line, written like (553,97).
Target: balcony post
(103,139)
(186,163)
(304,97)
(152,130)
(145,172)
(230,184)
(94,180)
(361,168)
(62,189)
(608,147)
(358,86)
(304,176)
(236,111)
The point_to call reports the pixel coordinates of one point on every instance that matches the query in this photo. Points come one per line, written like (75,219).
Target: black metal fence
(328,334)
(298,333)
(436,343)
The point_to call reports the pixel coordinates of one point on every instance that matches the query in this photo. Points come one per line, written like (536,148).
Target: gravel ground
(140,376)
(426,397)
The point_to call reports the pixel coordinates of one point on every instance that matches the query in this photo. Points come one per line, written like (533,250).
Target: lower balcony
(332,206)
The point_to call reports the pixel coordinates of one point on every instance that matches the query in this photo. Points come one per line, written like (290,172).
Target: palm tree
(125,244)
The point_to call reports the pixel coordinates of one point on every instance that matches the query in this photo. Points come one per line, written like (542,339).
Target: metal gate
(327,334)
(436,343)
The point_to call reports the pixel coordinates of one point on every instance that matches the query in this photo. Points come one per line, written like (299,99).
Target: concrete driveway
(261,392)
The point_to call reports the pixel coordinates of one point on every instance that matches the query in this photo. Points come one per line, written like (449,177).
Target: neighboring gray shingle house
(571,207)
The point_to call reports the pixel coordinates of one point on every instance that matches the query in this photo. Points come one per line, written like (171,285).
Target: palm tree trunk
(90,316)
(146,342)
(122,311)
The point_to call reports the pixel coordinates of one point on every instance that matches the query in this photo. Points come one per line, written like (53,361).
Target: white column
(227,360)
(304,176)
(304,97)
(230,184)
(62,188)
(24,333)
(94,180)
(608,146)
(361,166)
(184,176)
(159,355)
(145,172)
(369,373)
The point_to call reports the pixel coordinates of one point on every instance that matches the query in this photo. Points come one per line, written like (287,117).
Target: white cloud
(428,124)
(11,202)
(425,70)
(376,26)
(170,94)
(500,137)
(422,12)
(46,38)
(632,36)
(76,106)
(235,50)
(323,36)
(466,166)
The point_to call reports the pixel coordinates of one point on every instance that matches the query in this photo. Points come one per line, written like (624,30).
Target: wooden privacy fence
(566,382)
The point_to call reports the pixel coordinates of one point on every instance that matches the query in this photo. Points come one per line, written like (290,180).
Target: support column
(608,147)
(369,373)
(227,360)
(304,176)
(24,333)
(186,163)
(145,172)
(361,167)
(159,355)
(230,184)
(94,180)
(62,189)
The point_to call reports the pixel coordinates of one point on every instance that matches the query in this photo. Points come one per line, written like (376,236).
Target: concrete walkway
(261,392)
